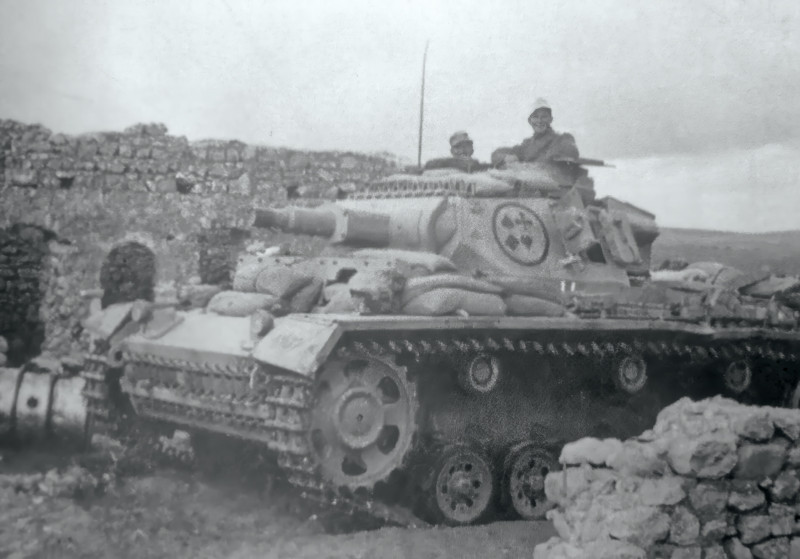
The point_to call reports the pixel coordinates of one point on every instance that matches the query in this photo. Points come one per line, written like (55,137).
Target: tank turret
(526,221)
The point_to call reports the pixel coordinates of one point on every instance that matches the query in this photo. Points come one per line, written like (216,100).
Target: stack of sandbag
(3,351)
(443,294)
(380,290)
(531,296)
(264,283)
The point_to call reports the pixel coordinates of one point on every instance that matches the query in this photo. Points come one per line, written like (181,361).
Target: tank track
(251,403)
(243,402)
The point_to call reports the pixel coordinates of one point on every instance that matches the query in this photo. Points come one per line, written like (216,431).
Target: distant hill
(746,251)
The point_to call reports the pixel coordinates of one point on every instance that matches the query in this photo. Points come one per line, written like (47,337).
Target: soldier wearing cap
(545,145)
(461,150)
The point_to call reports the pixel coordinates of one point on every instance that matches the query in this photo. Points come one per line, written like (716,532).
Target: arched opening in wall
(23,249)
(219,248)
(128,273)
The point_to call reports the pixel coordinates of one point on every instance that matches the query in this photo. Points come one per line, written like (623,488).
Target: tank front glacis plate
(198,337)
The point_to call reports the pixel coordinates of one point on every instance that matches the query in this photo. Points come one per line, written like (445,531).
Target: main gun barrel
(339,225)
(306,221)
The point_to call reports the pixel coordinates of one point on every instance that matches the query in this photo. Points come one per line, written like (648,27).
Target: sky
(695,102)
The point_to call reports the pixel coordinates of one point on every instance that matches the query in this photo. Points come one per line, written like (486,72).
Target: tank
(464,329)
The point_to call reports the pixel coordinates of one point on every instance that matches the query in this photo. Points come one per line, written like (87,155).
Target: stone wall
(713,479)
(95,191)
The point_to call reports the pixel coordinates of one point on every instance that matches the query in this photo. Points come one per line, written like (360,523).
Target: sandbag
(244,278)
(531,286)
(416,286)
(378,291)
(196,296)
(282,281)
(338,300)
(235,303)
(447,300)
(429,261)
(771,286)
(524,305)
(305,299)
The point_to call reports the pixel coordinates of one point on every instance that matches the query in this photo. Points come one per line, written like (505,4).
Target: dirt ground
(179,513)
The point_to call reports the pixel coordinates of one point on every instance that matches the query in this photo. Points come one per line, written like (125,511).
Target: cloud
(749,190)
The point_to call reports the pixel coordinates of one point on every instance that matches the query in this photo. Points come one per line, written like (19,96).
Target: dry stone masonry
(713,479)
(69,200)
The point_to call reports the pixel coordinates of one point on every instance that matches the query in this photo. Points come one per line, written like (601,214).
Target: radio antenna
(422,105)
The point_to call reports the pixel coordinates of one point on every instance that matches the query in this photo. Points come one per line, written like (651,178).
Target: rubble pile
(71,482)
(712,479)
(184,200)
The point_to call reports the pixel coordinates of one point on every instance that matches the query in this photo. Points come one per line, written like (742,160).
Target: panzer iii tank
(479,322)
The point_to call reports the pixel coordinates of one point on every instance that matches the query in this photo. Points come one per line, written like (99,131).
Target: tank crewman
(461,150)
(545,145)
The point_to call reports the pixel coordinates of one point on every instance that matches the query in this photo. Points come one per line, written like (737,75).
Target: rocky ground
(58,504)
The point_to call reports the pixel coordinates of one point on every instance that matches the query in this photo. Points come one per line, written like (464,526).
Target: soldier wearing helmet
(461,150)
(545,145)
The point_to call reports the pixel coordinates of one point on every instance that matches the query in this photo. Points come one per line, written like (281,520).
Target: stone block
(24,178)
(218,171)
(745,495)
(662,491)
(241,186)
(714,530)
(232,155)
(757,461)
(109,149)
(693,552)
(755,426)
(126,150)
(87,150)
(785,486)
(685,527)
(776,548)
(793,456)
(736,549)
(709,499)
(589,450)
(787,421)
(714,552)
(113,182)
(705,456)
(753,528)
(116,167)
(165,184)
(781,519)
(642,526)
(794,548)
(216,155)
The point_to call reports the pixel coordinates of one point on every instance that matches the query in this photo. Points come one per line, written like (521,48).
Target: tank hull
(551,380)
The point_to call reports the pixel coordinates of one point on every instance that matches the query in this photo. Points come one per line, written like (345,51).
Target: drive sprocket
(363,420)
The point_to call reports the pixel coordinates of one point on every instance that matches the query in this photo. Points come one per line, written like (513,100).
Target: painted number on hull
(520,233)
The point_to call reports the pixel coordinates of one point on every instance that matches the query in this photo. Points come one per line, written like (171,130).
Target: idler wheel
(480,374)
(463,485)
(363,421)
(630,373)
(738,376)
(524,470)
